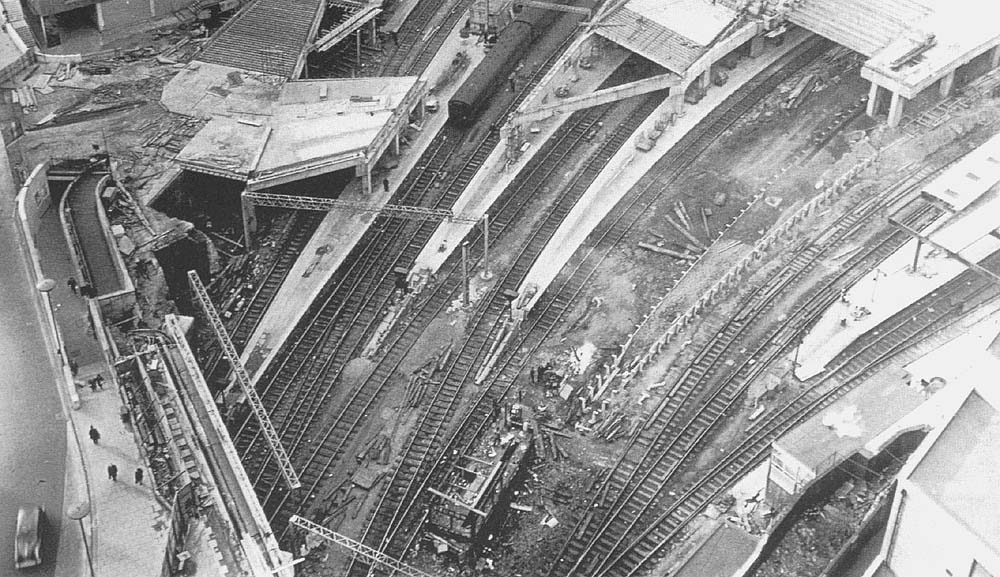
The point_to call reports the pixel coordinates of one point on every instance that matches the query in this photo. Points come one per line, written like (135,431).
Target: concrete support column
(947,82)
(874,94)
(249,222)
(366,177)
(896,106)
(994,56)
(395,143)
(756,46)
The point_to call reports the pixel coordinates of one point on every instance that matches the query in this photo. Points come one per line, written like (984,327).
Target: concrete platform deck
(338,233)
(629,165)
(269,135)
(959,37)
(969,178)
(495,174)
(894,286)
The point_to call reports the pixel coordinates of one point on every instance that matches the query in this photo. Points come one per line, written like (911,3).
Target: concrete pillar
(366,178)
(249,222)
(946,84)
(874,94)
(995,57)
(756,46)
(395,143)
(896,106)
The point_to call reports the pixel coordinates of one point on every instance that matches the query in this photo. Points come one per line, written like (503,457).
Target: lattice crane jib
(328,204)
(267,429)
(373,555)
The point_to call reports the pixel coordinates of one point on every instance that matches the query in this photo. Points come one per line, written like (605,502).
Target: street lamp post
(46,286)
(78,512)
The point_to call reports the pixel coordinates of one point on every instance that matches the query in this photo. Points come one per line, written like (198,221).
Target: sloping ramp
(865,26)
(267,36)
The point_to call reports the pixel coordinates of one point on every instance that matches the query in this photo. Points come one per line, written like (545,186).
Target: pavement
(33,424)
(127,527)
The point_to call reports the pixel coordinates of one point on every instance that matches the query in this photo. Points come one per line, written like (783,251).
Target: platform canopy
(671,33)
(969,179)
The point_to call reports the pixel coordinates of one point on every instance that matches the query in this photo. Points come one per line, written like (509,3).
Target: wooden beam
(456,502)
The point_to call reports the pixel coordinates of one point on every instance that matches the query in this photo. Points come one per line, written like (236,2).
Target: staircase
(865,26)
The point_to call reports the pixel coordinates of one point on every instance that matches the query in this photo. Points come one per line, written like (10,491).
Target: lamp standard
(78,512)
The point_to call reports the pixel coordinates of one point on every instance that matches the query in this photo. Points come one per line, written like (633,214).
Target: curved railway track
(917,322)
(636,484)
(295,388)
(555,303)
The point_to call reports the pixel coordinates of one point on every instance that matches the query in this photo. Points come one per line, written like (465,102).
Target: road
(32,422)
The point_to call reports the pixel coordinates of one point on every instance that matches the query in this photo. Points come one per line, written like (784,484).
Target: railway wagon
(489,77)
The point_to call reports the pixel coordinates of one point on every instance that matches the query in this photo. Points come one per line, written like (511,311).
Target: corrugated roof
(650,39)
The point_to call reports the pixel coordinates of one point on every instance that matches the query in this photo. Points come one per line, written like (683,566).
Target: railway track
(423,446)
(634,492)
(344,316)
(636,484)
(414,52)
(553,309)
(914,324)
(242,326)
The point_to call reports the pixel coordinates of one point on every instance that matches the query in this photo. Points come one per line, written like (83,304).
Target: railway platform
(337,235)
(966,234)
(496,173)
(629,165)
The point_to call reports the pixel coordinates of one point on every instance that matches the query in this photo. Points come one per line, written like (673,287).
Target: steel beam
(597,98)
(271,435)
(553,6)
(373,555)
(920,237)
(339,33)
(328,204)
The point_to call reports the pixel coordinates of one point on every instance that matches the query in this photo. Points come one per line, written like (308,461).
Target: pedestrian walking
(113,472)
(99,379)
(138,476)
(93,384)
(71,283)
(385,184)
(95,435)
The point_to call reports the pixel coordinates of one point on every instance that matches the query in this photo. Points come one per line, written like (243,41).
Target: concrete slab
(847,426)
(495,174)
(628,165)
(958,36)
(894,285)
(338,233)
(261,131)
(721,555)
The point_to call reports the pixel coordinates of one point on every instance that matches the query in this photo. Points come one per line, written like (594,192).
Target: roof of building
(849,424)
(263,130)
(959,471)
(266,36)
(671,33)
(969,178)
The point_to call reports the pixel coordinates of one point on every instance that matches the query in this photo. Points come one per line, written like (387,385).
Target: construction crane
(277,450)
(373,555)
